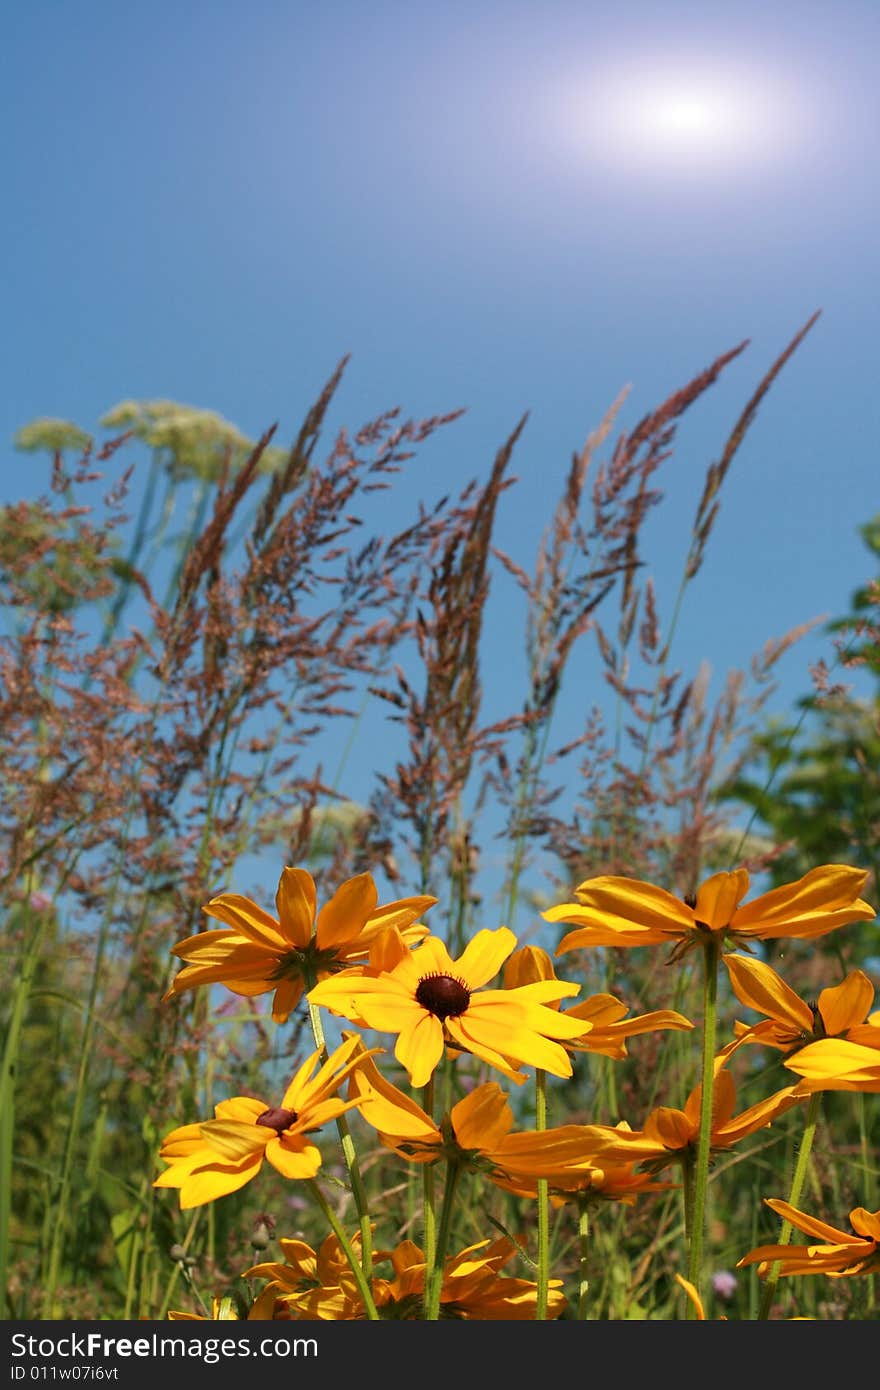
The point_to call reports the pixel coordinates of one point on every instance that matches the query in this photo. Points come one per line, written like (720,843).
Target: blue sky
(501,206)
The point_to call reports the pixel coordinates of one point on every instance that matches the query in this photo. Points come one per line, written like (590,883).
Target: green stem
(794,1196)
(349,1152)
(543,1203)
(361,1279)
(429,1214)
(711,952)
(432,1303)
(583,1257)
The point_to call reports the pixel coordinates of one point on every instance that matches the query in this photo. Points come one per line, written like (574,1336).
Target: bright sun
(682,121)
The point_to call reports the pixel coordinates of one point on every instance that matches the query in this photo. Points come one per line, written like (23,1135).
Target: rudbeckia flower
(209,1160)
(842,1011)
(604,1013)
(304,1271)
(615,911)
(669,1134)
(431,1001)
(477,1133)
(839,1254)
(473,1289)
(593,1183)
(256,953)
(837,1064)
(266,1307)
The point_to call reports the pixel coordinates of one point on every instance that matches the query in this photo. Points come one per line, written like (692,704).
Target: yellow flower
(209,1160)
(837,1064)
(266,1307)
(257,953)
(605,1013)
(613,911)
(590,1183)
(668,1134)
(317,1284)
(431,1001)
(472,1289)
(841,1012)
(478,1132)
(839,1254)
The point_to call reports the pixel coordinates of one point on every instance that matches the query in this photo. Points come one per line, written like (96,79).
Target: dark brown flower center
(277,1118)
(443,996)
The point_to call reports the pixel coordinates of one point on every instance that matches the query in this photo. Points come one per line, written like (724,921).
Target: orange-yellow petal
(247,919)
(482,1118)
(295,903)
(342,918)
(718,896)
(758,986)
(844,1005)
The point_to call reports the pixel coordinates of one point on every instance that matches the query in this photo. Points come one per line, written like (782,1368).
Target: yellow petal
(866,1223)
(759,987)
(844,1005)
(810,1225)
(614,911)
(342,918)
(718,896)
(294,1156)
(837,1064)
(233,1140)
(484,955)
(295,902)
(526,966)
(482,1118)
(246,918)
(813,905)
(420,1047)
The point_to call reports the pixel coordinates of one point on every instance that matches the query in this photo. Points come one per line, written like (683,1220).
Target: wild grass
(196,626)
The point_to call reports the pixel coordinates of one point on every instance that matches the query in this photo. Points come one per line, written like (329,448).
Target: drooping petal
(810,1225)
(482,1118)
(287,996)
(294,1155)
(217,1179)
(758,986)
(419,1047)
(486,1025)
(388,1109)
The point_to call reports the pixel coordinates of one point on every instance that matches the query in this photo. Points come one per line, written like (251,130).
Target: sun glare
(685,120)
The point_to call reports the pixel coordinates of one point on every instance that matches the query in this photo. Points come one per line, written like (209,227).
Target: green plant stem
(349,1152)
(432,1305)
(179,1266)
(711,952)
(429,1214)
(543,1203)
(794,1196)
(361,1279)
(583,1257)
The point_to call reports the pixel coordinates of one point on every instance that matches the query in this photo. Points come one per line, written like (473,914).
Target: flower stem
(711,953)
(361,1279)
(349,1152)
(432,1307)
(429,1214)
(583,1253)
(543,1203)
(794,1196)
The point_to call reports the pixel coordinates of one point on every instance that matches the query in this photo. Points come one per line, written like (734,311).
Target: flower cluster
(380,970)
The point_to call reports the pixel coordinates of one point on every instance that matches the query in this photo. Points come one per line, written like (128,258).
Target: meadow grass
(176,681)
